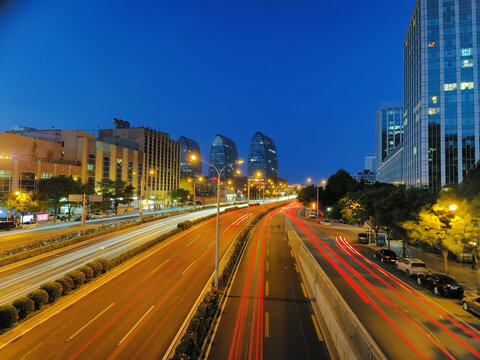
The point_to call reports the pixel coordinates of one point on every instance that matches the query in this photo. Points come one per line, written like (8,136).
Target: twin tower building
(262,157)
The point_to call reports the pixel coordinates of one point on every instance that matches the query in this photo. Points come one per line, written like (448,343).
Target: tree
(115,192)
(352,210)
(445,227)
(179,195)
(59,187)
(27,202)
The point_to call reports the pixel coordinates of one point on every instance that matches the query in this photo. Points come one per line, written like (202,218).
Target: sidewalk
(463,272)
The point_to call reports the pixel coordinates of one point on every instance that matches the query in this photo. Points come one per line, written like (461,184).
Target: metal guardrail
(361,344)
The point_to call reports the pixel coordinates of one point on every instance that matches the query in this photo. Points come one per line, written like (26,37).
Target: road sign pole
(84,211)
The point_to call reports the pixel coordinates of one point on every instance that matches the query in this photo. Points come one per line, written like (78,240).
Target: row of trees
(53,193)
(448,221)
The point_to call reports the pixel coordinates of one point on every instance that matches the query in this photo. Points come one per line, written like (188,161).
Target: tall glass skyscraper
(223,152)
(189,147)
(389,133)
(441,115)
(262,156)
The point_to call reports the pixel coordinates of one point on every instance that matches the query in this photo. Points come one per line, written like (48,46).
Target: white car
(30,225)
(411,267)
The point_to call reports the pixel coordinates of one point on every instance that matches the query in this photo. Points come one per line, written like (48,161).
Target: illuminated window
(466,85)
(415,150)
(449,87)
(467,63)
(433,111)
(434,99)
(467,52)
(432,44)
(46,176)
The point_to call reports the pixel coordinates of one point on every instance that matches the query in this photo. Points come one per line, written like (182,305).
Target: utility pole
(84,212)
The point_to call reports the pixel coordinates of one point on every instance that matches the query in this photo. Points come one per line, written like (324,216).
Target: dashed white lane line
(188,268)
(134,326)
(159,266)
(91,321)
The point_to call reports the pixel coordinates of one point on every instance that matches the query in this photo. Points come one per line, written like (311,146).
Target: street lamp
(217,240)
(192,180)
(8,205)
(453,207)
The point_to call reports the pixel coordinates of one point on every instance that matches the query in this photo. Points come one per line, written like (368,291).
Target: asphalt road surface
(267,313)
(19,278)
(406,321)
(136,314)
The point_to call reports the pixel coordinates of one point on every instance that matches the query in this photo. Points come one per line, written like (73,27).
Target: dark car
(79,218)
(386,255)
(441,284)
(363,238)
(7,225)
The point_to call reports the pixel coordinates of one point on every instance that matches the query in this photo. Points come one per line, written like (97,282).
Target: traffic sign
(95,198)
(75,198)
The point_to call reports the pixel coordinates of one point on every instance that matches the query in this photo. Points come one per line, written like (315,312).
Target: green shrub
(39,297)
(67,284)
(96,267)
(88,271)
(184,225)
(24,306)
(105,264)
(8,316)
(54,290)
(77,277)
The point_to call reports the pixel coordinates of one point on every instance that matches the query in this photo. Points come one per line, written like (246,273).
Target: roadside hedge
(67,284)
(184,225)
(88,271)
(105,264)
(8,316)
(96,267)
(24,307)
(39,297)
(77,277)
(54,290)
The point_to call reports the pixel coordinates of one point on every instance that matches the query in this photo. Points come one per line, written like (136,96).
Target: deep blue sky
(309,74)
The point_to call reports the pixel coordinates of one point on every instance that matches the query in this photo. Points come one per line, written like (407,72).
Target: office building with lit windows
(222,153)
(188,167)
(262,157)
(389,132)
(441,114)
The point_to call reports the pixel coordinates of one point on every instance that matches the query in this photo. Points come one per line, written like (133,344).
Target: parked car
(411,266)
(441,284)
(465,257)
(386,255)
(471,304)
(7,225)
(30,225)
(79,218)
(313,215)
(363,238)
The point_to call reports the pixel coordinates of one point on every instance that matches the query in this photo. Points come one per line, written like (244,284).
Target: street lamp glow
(309,180)
(240,162)
(193,157)
(152,172)
(258,174)
(453,207)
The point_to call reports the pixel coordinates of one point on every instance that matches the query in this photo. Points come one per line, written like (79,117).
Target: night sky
(309,74)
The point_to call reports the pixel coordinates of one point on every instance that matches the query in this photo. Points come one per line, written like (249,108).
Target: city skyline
(202,76)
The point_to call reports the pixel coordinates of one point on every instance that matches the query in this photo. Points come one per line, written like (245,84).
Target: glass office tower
(223,152)
(189,147)
(262,156)
(389,132)
(441,117)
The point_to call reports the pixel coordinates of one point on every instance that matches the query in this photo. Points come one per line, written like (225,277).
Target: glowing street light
(453,207)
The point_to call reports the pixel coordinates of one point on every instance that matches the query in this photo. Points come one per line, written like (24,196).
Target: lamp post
(257,174)
(217,239)
(8,205)
(192,180)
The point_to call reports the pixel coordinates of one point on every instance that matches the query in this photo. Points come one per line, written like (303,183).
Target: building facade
(262,156)
(391,170)
(365,175)
(441,114)
(189,147)
(371,163)
(162,157)
(389,132)
(223,152)
(29,156)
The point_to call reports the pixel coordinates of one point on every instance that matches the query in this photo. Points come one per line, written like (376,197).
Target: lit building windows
(46,176)
(449,87)
(466,85)
(467,52)
(467,63)
(434,99)
(431,44)
(433,111)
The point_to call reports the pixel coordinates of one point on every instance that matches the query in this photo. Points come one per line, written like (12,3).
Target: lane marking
(303,289)
(296,269)
(159,266)
(267,324)
(188,268)
(317,330)
(267,266)
(91,321)
(266,288)
(291,253)
(134,326)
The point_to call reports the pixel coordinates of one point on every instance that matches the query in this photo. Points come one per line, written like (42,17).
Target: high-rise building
(371,163)
(162,156)
(389,132)
(189,147)
(262,156)
(223,152)
(441,77)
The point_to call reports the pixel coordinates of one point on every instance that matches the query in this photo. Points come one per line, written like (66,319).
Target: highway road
(21,277)
(406,321)
(136,314)
(267,313)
